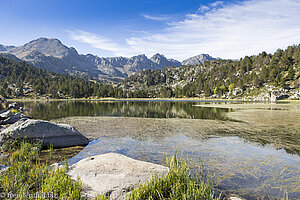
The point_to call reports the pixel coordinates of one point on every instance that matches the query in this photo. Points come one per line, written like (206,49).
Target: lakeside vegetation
(26,177)
(178,184)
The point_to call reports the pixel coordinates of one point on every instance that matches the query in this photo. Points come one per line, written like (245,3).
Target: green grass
(26,176)
(177,184)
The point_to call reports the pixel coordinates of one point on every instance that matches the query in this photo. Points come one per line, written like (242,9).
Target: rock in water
(58,135)
(114,174)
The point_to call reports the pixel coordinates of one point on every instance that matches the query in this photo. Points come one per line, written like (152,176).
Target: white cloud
(157,18)
(98,41)
(231,31)
(203,8)
(216,3)
(227,31)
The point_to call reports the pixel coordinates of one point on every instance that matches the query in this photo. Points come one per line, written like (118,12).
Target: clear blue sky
(178,29)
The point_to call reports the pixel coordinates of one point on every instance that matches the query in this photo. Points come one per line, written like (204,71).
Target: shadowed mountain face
(52,55)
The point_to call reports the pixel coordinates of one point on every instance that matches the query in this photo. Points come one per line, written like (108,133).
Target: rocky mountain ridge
(52,55)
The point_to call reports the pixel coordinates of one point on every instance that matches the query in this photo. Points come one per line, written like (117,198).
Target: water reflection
(144,109)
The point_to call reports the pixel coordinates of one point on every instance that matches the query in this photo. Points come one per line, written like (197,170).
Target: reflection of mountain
(166,109)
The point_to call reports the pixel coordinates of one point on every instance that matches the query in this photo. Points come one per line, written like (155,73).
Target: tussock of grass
(177,184)
(26,175)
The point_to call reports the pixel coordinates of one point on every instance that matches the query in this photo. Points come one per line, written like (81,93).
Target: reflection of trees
(144,109)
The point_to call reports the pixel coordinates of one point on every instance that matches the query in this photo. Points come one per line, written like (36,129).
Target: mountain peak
(160,59)
(47,46)
(196,60)
(158,56)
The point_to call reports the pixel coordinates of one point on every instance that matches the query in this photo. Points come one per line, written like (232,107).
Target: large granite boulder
(58,135)
(114,174)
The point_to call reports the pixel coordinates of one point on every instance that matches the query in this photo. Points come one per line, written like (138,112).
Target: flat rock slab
(114,174)
(58,135)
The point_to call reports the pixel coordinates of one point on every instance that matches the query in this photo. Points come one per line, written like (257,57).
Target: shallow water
(241,145)
(249,170)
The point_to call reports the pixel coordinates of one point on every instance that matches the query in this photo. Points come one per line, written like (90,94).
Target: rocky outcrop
(13,119)
(8,117)
(5,114)
(58,135)
(114,174)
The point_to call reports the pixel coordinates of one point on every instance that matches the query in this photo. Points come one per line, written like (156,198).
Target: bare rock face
(58,135)
(114,174)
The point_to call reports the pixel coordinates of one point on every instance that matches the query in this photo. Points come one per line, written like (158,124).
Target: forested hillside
(20,79)
(254,76)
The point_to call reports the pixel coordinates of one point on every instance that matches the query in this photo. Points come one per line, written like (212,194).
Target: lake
(248,149)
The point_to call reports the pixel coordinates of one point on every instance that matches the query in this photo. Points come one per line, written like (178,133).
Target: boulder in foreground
(58,135)
(114,174)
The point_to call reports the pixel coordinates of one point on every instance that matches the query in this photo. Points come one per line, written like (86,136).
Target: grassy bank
(178,184)
(27,177)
